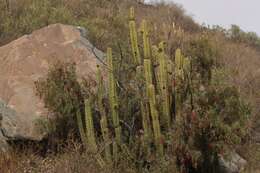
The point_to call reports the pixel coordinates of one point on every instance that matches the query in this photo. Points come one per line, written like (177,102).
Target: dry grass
(71,160)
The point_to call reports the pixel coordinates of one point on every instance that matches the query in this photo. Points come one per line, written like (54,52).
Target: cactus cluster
(156,86)
(156,98)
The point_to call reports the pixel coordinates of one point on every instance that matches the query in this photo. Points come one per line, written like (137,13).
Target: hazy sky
(245,13)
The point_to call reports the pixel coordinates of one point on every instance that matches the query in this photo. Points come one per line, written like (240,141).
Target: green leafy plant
(62,95)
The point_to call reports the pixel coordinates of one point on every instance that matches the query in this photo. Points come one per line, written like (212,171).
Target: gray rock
(233,164)
(3,144)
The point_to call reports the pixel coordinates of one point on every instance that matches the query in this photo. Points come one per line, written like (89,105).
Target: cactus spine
(163,82)
(113,103)
(103,120)
(133,38)
(155,120)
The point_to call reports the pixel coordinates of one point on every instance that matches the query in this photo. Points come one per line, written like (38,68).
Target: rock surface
(3,144)
(27,59)
(234,164)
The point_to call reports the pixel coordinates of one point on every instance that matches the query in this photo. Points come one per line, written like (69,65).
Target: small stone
(234,164)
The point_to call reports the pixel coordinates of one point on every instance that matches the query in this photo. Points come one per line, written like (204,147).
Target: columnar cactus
(178,72)
(133,38)
(81,129)
(146,40)
(182,67)
(155,120)
(182,64)
(113,101)
(105,135)
(154,50)
(103,120)
(100,91)
(170,72)
(178,63)
(163,85)
(90,132)
(146,126)
(148,75)
(148,72)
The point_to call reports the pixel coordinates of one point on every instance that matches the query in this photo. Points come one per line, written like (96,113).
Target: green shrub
(62,96)
(238,35)
(212,128)
(203,56)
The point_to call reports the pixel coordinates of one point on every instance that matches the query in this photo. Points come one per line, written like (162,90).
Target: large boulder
(27,59)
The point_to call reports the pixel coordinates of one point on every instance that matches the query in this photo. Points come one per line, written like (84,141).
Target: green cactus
(146,40)
(100,91)
(81,129)
(155,120)
(148,72)
(148,75)
(154,50)
(178,72)
(132,13)
(145,122)
(146,138)
(113,101)
(182,67)
(90,132)
(103,120)
(133,38)
(186,66)
(178,63)
(147,131)
(163,85)
(115,151)
(105,135)
(170,72)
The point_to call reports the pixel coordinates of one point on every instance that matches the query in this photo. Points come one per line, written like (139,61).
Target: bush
(63,97)
(212,129)
(203,55)
(238,35)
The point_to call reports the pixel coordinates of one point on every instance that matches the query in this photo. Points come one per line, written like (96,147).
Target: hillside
(222,79)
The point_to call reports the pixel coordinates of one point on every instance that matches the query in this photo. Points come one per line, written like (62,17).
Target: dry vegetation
(106,22)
